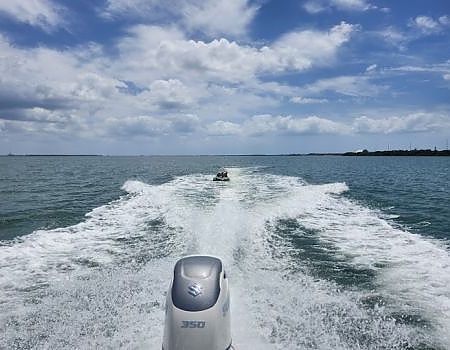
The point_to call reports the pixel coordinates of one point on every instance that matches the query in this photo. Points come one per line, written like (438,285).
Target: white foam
(45,255)
(276,302)
(414,271)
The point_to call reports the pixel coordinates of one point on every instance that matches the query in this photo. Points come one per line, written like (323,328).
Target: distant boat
(222,175)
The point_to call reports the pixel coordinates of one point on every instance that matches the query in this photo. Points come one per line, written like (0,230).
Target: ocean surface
(322,252)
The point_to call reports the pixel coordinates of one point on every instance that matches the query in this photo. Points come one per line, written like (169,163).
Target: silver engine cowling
(198,306)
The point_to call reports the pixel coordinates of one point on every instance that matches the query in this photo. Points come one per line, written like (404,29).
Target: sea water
(322,252)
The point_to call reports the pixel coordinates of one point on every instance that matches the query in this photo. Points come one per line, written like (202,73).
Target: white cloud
(133,126)
(38,13)
(167,94)
(444,20)
(218,17)
(413,122)
(346,85)
(446,76)
(371,68)
(264,124)
(410,69)
(46,85)
(218,59)
(394,37)
(149,48)
(133,8)
(318,6)
(307,100)
(312,125)
(223,128)
(58,93)
(428,25)
(212,17)
(261,125)
(419,27)
(356,5)
(184,124)
(39,114)
(441,68)
(158,83)
(94,87)
(314,7)
(302,49)
(149,126)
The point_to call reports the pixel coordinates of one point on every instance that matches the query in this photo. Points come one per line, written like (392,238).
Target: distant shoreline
(414,152)
(364,153)
(51,155)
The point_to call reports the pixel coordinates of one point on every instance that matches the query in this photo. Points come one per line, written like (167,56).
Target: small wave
(134,186)
(423,224)
(100,274)
(334,188)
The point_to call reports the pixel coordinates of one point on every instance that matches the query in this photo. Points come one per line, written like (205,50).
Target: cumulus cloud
(43,85)
(160,78)
(444,20)
(217,17)
(413,122)
(161,82)
(302,49)
(223,128)
(428,25)
(260,125)
(150,126)
(38,13)
(184,124)
(311,125)
(150,48)
(218,59)
(135,126)
(263,124)
(212,17)
(168,94)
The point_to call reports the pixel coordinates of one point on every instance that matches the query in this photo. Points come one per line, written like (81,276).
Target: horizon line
(222,155)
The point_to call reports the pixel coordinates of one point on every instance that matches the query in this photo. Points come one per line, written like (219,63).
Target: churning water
(311,265)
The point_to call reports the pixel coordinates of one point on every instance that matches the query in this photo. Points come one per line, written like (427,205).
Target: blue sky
(223,77)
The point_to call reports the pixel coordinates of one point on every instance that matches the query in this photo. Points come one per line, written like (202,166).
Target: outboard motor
(198,306)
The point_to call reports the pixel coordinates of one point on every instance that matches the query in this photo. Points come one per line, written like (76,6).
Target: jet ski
(222,175)
(198,306)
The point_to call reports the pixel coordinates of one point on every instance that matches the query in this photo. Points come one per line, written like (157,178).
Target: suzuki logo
(195,289)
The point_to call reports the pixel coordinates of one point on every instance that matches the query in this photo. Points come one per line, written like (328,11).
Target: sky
(154,77)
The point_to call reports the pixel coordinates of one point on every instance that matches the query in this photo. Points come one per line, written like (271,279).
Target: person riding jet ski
(222,176)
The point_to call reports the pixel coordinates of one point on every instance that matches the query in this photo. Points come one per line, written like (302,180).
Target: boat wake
(309,268)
